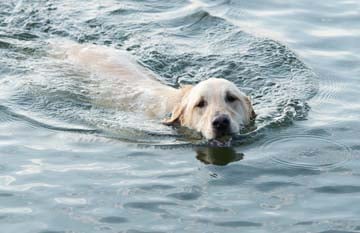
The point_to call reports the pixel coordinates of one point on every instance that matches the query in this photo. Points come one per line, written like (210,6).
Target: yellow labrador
(214,107)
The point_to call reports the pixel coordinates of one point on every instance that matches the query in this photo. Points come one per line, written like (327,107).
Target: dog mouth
(224,141)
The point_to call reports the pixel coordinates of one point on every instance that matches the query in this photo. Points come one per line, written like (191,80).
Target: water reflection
(220,156)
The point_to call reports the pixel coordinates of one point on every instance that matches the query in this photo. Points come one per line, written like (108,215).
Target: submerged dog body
(215,107)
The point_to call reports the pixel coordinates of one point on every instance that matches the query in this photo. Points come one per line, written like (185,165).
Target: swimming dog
(214,107)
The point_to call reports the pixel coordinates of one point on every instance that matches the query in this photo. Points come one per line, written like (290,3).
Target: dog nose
(221,123)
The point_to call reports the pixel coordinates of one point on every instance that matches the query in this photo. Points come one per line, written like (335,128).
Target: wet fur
(155,99)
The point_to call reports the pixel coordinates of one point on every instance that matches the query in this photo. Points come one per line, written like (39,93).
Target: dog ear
(251,110)
(253,115)
(177,115)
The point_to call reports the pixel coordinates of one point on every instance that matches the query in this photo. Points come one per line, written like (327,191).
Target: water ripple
(306,151)
(38,166)
(71,201)
(338,189)
(235,224)
(18,210)
(113,220)
(6,183)
(152,206)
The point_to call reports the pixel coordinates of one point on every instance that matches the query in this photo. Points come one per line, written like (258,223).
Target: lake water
(68,165)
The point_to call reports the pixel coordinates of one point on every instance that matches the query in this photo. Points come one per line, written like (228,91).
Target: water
(68,165)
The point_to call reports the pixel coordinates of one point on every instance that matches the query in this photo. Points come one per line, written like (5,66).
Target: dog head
(214,107)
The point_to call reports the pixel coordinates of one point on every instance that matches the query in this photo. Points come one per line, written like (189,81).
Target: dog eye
(201,104)
(230,98)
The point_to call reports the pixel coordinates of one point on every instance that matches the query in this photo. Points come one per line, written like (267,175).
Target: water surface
(69,165)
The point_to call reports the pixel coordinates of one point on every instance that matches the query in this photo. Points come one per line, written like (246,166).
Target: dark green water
(68,165)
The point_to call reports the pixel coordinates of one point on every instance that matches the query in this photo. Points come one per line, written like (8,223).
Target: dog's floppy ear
(251,110)
(177,115)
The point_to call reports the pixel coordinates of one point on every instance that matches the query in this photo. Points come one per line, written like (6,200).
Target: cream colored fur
(138,89)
